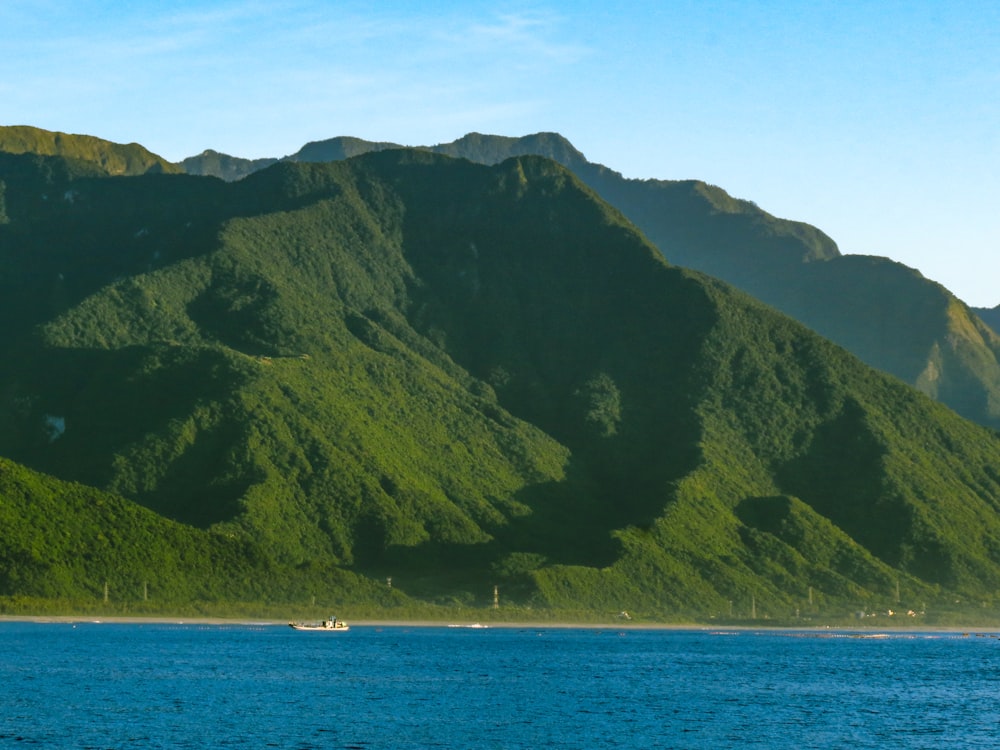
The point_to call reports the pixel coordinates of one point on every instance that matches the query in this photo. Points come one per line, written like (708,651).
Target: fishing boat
(330,625)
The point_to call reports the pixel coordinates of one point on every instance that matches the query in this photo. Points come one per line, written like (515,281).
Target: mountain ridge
(114,158)
(787,264)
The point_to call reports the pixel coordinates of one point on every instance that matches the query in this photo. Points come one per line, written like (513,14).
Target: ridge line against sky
(878,122)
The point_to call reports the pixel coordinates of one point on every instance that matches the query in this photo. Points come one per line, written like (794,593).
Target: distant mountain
(990,316)
(898,321)
(226,167)
(230,168)
(884,312)
(483,149)
(113,158)
(459,376)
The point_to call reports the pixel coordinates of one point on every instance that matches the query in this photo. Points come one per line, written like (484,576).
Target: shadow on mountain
(845,460)
(80,408)
(571,522)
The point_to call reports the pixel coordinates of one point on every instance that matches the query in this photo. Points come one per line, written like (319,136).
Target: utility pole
(496,597)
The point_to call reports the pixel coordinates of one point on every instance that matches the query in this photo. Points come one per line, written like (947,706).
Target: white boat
(331,625)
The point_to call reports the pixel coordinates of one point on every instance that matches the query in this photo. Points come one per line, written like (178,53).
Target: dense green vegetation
(85,549)
(405,366)
(112,158)
(884,312)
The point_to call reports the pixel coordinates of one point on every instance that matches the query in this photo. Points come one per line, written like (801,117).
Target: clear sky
(879,122)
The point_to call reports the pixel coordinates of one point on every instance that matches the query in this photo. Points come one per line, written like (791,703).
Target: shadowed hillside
(990,316)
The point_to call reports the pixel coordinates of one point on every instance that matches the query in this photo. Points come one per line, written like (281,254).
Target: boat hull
(320,628)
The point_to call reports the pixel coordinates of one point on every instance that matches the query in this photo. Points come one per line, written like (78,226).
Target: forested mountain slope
(112,158)
(884,312)
(457,375)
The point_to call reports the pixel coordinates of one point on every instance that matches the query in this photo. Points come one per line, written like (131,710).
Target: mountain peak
(493,149)
(338,148)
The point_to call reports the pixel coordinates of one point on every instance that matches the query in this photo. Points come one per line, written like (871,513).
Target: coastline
(246,621)
(519,625)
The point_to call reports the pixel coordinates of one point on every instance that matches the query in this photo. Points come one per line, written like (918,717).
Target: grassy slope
(63,541)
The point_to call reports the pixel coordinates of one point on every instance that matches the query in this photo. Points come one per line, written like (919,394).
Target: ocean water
(89,685)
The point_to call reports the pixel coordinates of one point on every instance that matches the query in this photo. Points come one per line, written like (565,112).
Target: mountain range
(455,375)
(886,313)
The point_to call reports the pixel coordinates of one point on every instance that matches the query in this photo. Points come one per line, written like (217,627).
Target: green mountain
(884,312)
(458,376)
(112,158)
(214,164)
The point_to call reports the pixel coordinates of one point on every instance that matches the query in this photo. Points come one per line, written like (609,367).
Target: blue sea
(92,685)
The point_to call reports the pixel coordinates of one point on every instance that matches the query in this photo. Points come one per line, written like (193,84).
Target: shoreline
(519,625)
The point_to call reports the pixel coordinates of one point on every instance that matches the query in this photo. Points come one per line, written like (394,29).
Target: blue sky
(879,122)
